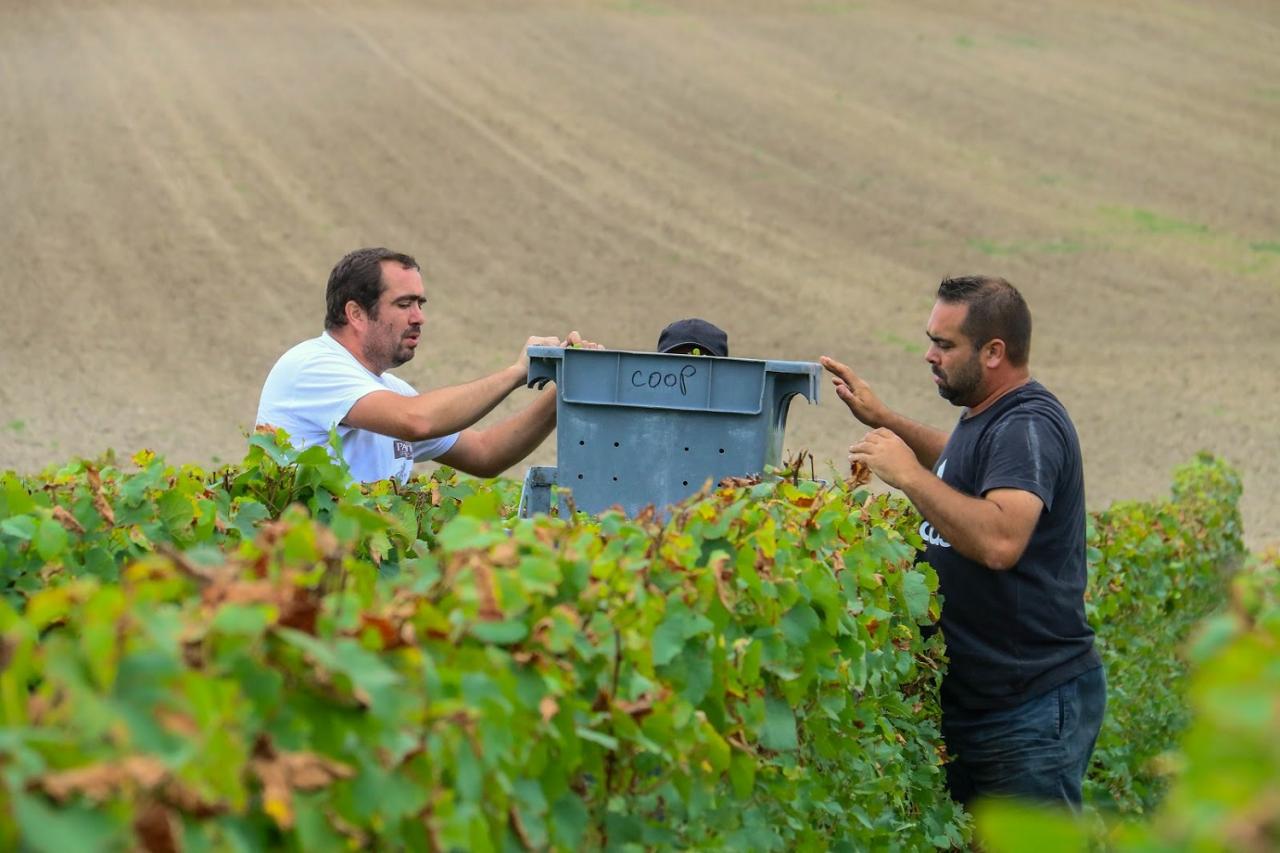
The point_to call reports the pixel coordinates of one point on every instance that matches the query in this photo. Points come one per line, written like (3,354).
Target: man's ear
(356,315)
(993,352)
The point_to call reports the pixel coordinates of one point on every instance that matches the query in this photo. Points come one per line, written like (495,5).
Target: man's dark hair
(996,310)
(358,277)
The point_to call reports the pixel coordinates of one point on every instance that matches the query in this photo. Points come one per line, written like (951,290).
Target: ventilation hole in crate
(686,450)
(615,478)
(581,442)
(579,476)
(722,450)
(686,482)
(615,444)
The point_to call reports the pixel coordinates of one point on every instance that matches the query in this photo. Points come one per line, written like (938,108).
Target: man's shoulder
(1035,393)
(1030,401)
(320,345)
(1032,422)
(319,354)
(316,370)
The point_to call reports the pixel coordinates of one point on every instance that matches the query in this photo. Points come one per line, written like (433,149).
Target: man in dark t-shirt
(1002,498)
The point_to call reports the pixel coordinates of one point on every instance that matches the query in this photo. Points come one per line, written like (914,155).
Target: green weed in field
(1150,222)
(993,249)
(643,7)
(913,347)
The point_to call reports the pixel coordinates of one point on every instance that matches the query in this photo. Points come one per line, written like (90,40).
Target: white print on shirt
(927,531)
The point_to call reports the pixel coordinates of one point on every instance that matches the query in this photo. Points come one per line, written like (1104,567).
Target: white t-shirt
(311,389)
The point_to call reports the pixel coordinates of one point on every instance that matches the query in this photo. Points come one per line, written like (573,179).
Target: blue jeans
(1038,750)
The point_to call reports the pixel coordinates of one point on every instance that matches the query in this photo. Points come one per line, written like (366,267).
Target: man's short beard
(403,355)
(384,358)
(962,391)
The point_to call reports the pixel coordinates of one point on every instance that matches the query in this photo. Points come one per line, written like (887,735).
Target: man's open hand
(855,392)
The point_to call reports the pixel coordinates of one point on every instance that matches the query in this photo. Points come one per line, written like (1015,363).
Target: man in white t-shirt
(373,322)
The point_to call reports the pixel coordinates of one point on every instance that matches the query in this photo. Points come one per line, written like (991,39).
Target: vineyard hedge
(269,655)
(1223,790)
(1156,570)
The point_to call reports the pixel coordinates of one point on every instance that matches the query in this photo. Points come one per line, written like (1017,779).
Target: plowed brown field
(175,184)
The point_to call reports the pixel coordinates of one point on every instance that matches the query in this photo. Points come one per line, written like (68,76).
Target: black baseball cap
(709,338)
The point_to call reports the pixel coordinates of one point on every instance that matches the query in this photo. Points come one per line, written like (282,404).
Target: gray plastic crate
(640,428)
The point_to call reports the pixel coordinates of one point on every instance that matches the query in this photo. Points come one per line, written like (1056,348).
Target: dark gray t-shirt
(1012,635)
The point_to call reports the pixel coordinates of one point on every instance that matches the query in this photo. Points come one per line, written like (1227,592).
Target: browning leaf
(859,474)
(38,705)
(100,782)
(300,610)
(156,828)
(99,500)
(281,773)
(277,799)
(64,517)
(724,575)
(482,575)
(177,723)
(638,708)
(298,607)
(310,771)
(385,629)
(505,554)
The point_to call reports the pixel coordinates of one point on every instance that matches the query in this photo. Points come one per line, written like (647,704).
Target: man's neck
(347,341)
(1015,380)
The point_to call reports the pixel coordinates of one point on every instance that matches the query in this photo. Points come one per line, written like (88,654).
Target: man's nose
(416,315)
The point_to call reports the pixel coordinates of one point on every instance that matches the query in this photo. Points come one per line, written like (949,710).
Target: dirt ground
(175,186)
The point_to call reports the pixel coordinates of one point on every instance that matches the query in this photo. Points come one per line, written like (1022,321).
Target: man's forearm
(513,439)
(926,442)
(448,410)
(958,518)
(979,528)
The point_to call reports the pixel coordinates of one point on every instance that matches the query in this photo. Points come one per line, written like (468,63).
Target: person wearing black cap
(694,337)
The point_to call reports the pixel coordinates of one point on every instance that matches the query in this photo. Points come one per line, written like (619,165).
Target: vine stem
(613,695)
